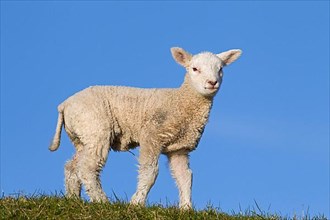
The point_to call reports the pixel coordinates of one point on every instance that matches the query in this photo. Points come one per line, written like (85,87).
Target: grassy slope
(58,207)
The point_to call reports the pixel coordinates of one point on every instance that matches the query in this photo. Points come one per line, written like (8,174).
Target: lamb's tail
(57,137)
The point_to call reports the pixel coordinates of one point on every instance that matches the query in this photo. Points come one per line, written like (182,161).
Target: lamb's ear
(229,56)
(181,56)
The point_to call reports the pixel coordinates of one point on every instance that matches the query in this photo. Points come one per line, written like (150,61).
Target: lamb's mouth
(211,89)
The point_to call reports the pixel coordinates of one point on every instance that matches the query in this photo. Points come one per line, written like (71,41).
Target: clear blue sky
(268,135)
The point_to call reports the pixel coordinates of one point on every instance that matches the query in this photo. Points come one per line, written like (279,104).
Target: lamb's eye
(194,69)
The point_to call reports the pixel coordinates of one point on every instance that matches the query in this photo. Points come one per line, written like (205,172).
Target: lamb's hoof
(185,207)
(137,201)
(102,199)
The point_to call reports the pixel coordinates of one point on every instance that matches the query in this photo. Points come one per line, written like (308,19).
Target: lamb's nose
(213,83)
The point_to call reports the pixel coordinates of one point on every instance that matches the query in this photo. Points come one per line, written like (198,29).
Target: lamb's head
(205,69)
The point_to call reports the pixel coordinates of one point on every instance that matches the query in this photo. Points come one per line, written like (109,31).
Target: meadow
(60,207)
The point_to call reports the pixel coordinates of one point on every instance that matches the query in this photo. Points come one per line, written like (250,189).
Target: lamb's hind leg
(179,164)
(90,164)
(72,181)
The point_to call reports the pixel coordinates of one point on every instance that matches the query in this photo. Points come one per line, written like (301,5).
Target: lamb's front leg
(179,164)
(148,171)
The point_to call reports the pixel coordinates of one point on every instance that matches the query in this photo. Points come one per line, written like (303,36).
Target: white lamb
(160,121)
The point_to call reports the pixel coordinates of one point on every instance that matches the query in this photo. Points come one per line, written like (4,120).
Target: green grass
(59,207)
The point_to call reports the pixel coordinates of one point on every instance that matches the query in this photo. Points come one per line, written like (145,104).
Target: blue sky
(268,135)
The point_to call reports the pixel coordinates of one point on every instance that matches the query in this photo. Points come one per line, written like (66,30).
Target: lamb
(160,121)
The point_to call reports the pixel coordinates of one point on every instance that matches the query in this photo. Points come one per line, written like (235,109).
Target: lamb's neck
(193,99)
